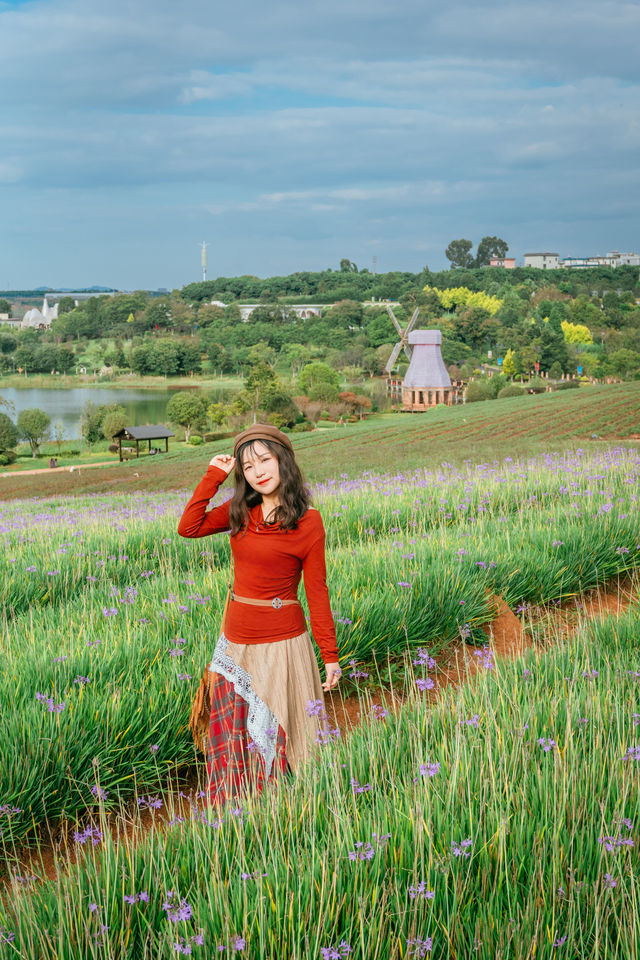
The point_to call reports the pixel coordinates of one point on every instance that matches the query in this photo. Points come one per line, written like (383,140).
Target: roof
(545,254)
(154,432)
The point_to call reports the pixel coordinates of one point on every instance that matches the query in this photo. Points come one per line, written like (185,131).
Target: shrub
(302,427)
(7,457)
(475,392)
(113,448)
(510,391)
(195,439)
(567,385)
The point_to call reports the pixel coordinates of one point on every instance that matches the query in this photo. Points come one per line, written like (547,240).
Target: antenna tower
(204,260)
(375,261)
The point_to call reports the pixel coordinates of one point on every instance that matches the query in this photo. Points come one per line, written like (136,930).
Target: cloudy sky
(289,135)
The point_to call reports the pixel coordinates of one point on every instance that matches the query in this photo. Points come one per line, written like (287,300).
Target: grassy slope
(491,430)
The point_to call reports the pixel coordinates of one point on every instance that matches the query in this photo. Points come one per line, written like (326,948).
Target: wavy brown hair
(293,490)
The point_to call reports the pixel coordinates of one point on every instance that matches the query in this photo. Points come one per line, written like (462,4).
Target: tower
(204,261)
(426,382)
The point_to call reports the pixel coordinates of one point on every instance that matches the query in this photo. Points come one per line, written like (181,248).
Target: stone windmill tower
(426,383)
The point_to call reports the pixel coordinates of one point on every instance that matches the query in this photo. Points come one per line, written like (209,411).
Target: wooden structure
(155,432)
(404,342)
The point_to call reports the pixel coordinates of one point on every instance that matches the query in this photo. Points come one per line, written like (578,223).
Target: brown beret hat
(261,431)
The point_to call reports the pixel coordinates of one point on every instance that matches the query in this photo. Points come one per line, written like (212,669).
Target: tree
(188,410)
(33,425)
(9,433)
(317,372)
(5,306)
(510,365)
(490,247)
(458,252)
(346,266)
(260,379)
(625,362)
(113,422)
(66,305)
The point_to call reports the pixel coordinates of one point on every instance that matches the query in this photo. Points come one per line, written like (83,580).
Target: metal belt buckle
(276,602)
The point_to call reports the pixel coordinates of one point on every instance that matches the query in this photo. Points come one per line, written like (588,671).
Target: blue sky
(290,135)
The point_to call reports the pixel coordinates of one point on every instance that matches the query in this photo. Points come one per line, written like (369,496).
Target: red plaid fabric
(234,764)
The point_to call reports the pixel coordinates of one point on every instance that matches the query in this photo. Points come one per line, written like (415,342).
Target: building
(426,383)
(509,263)
(611,259)
(542,261)
(40,319)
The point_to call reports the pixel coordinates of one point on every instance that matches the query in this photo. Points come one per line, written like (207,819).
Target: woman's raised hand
(224,461)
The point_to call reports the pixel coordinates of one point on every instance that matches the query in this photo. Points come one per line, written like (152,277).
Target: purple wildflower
(149,803)
(359,789)
(379,712)
(420,947)
(420,890)
(89,833)
(82,680)
(429,769)
(425,683)
(110,611)
(458,848)
(560,941)
(473,722)
(336,953)
(99,792)
(609,881)
(546,744)
(315,708)
(424,659)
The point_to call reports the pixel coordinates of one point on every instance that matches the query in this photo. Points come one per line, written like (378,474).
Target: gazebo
(426,383)
(155,432)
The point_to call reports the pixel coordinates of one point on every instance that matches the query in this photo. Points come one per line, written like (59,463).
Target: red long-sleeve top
(268,562)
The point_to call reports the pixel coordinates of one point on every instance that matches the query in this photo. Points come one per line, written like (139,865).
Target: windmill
(403,343)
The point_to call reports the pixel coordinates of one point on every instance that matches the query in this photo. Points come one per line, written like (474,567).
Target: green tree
(114,421)
(5,306)
(346,266)
(66,305)
(188,410)
(9,433)
(459,253)
(8,343)
(490,247)
(317,372)
(625,362)
(33,426)
(510,365)
(260,380)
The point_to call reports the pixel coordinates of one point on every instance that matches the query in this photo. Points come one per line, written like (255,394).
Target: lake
(142,406)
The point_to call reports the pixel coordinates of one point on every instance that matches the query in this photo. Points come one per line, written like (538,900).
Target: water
(142,406)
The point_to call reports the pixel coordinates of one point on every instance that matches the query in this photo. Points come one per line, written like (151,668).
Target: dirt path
(52,470)
(506,637)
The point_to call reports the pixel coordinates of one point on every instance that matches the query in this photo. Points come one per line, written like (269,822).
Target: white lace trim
(260,719)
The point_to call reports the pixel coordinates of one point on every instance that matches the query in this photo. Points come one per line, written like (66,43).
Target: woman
(259,705)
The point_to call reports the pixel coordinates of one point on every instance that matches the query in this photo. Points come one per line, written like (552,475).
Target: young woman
(259,708)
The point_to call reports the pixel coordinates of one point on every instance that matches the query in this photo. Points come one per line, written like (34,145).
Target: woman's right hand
(224,461)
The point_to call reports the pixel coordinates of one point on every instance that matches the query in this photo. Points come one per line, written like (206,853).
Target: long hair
(294,494)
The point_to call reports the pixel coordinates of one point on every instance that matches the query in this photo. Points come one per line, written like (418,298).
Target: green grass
(107,585)
(511,839)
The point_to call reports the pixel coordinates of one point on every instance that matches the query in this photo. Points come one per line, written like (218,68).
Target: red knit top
(268,562)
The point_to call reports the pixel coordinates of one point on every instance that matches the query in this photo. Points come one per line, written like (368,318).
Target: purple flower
(420,947)
(137,897)
(473,722)
(424,659)
(154,747)
(82,680)
(89,833)
(429,769)
(174,912)
(336,953)
(609,881)
(359,789)
(560,941)
(176,652)
(315,708)
(403,583)
(52,573)
(546,744)
(149,803)
(612,843)
(458,850)
(425,683)
(185,676)
(327,736)
(420,890)
(110,611)
(99,792)
(379,712)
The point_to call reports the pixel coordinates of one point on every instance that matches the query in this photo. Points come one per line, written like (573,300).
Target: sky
(290,135)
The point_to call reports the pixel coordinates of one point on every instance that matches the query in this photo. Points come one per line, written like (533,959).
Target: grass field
(503,822)
(478,432)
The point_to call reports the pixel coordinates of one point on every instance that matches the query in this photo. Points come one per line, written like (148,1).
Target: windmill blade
(391,362)
(416,314)
(408,349)
(395,322)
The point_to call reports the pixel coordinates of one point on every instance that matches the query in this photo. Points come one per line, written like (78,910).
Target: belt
(277,602)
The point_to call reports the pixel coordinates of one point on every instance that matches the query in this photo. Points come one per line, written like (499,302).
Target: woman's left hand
(333,674)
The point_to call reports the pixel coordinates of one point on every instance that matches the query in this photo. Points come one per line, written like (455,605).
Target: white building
(542,261)
(611,259)
(41,319)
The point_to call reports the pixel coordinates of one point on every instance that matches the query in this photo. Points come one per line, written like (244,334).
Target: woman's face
(261,468)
